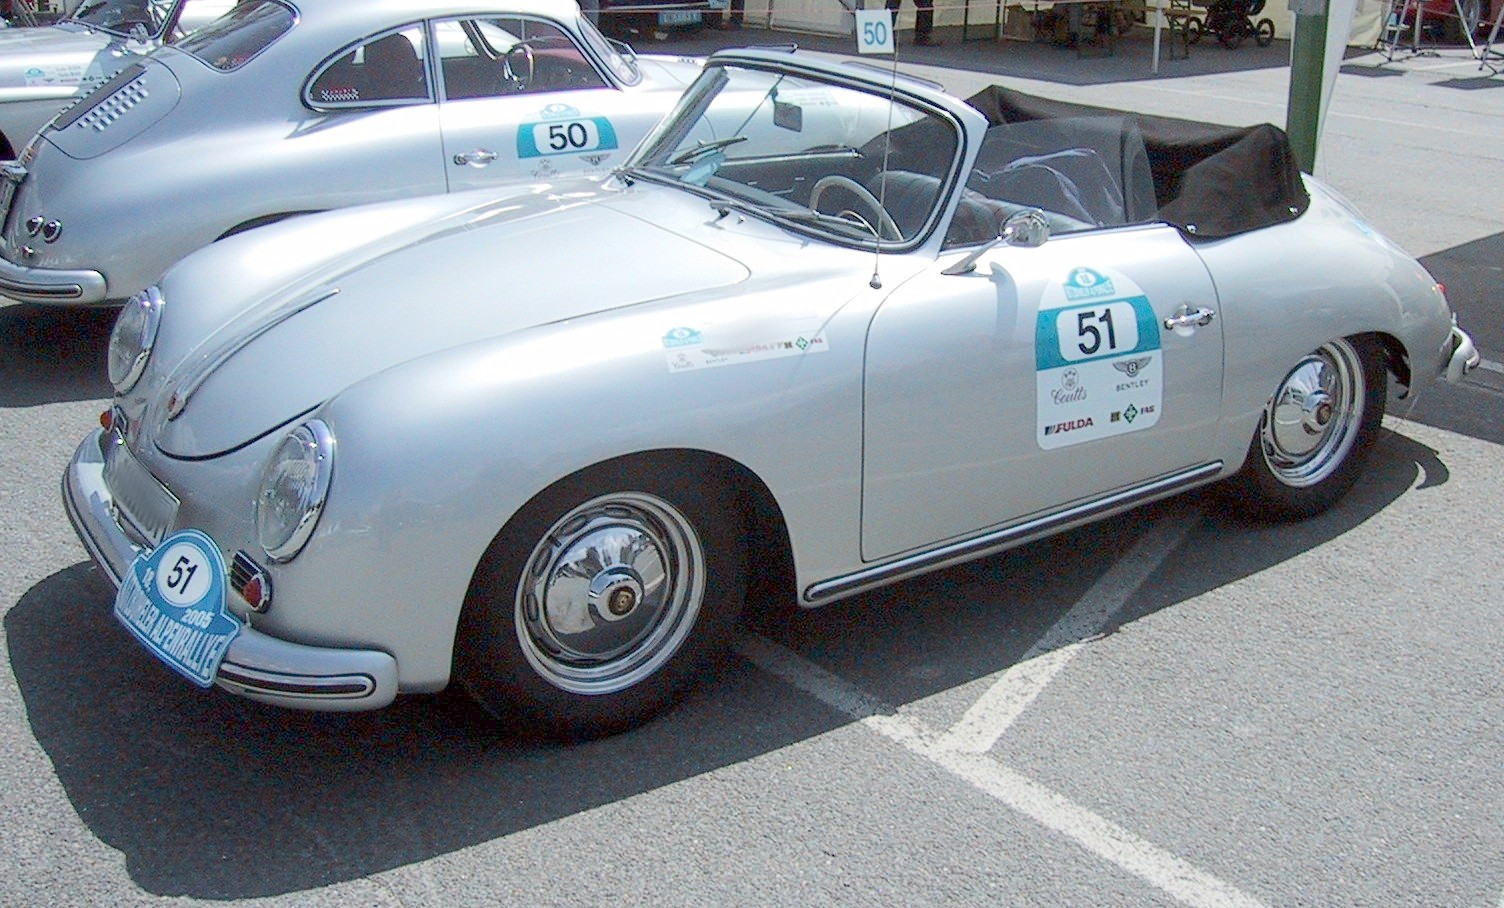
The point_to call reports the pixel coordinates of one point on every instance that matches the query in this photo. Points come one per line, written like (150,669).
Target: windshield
(233,39)
(121,16)
(842,161)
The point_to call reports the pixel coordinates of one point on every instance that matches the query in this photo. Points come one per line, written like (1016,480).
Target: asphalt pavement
(1174,706)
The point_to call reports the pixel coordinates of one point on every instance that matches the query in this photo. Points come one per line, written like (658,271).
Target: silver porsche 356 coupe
(43,68)
(283,107)
(825,323)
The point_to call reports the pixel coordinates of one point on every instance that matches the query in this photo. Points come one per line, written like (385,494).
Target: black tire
(1193,29)
(1315,433)
(658,578)
(1263,33)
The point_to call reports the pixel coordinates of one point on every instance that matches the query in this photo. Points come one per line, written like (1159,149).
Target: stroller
(1232,21)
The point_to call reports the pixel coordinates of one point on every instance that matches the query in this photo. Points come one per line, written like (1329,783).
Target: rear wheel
(1315,431)
(599,602)
(1193,29)
(1263,33)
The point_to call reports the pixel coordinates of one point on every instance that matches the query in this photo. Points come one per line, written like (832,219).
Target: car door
(374,131)
(1044,378)
(521,100)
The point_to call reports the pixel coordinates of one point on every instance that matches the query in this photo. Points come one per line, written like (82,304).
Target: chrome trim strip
(1007,537)
(342,687)
(213,360)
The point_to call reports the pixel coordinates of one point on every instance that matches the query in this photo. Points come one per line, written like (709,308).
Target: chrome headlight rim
(314,444)
(137,325)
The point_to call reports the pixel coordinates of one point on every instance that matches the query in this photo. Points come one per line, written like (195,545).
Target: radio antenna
(876,283)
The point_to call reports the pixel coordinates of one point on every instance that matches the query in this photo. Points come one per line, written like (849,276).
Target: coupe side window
(507,55)
(384,70)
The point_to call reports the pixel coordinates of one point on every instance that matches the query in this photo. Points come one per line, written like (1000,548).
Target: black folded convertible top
(1209,180)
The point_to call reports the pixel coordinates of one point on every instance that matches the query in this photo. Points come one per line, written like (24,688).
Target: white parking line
(1096,834)
(1017,686)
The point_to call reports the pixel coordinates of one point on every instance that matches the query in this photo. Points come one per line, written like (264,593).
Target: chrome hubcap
(610,593)
(1313,419)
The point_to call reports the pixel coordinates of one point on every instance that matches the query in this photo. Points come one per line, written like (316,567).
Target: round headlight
(132,338)
(293,490)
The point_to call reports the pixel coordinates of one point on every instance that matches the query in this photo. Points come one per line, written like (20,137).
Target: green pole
(1307,60)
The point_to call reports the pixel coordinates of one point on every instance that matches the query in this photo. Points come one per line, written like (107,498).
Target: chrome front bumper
(257,666)
(41,285)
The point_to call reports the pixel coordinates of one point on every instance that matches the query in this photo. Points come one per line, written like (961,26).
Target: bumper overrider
(1464,357)
(257,665)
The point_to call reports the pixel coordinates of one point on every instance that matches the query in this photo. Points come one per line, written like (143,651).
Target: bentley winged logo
(1130,367)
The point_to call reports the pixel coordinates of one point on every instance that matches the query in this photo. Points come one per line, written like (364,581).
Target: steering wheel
(516,60)
(886,228)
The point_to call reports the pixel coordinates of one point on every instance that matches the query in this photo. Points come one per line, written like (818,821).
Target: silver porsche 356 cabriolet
(821,332)
(283,107)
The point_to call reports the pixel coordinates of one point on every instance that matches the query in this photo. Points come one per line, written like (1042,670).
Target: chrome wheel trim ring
(609,593)
(1313,420)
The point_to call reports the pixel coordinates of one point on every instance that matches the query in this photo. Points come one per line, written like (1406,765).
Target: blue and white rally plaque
(173,600)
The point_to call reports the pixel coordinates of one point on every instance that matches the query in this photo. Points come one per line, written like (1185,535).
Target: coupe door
(522,101)
(1045,377)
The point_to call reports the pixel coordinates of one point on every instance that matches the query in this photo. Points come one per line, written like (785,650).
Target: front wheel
(1263,33)
(600,601)
(1315,432)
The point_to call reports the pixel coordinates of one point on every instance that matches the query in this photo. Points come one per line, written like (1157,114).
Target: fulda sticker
(1098,364)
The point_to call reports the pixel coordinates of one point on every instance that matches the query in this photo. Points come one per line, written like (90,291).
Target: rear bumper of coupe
(257,666)
(42,285)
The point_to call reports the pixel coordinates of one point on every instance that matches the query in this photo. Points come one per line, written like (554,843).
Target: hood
(53,57)
(660,69)
(425,281)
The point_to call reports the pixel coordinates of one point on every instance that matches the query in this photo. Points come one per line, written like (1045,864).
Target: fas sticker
(1098,363)
(688,348)
(173,601)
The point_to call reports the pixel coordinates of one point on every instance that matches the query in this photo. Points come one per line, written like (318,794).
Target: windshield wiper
(705,147)
(803,215)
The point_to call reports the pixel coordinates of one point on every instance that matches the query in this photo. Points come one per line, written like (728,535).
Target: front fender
(434,457)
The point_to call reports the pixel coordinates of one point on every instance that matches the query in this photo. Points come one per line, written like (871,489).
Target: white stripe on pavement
(1096,834)
(1017,686)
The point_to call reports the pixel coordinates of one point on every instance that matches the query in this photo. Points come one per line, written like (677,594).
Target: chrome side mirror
(1028,228)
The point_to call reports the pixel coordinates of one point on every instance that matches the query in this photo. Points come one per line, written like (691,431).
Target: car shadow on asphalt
(213,797)
(50,354)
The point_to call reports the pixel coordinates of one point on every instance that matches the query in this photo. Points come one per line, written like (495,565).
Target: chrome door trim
(1006,537)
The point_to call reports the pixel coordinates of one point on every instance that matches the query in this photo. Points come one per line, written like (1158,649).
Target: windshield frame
(664,145)
(152,34)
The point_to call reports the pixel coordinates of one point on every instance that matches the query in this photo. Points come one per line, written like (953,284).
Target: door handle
(480,157)
(1186,317)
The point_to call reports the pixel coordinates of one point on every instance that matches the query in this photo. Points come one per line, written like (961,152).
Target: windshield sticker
(67,74)
(173,601)
(560,129)
(687,349)
(1098,363)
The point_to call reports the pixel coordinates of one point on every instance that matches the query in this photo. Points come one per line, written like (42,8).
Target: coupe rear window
(230,41)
